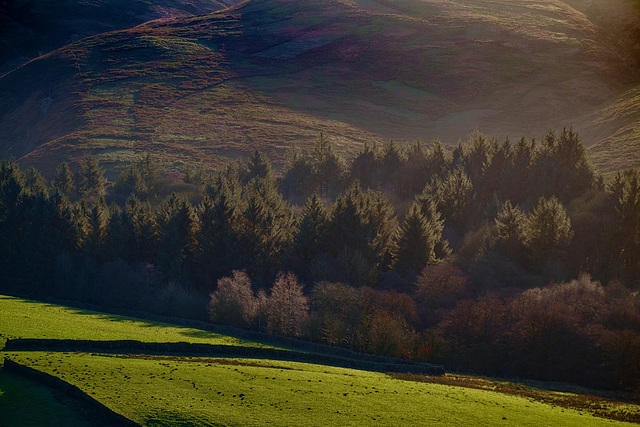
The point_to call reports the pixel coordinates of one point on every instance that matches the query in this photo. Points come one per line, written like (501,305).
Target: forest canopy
(510,258)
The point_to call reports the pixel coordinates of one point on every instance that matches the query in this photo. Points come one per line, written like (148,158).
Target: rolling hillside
(267,73)
(222,389)
(31,28)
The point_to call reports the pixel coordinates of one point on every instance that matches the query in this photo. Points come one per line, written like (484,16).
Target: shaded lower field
(25,402)
(199,391)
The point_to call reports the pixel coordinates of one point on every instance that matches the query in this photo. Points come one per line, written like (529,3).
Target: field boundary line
(196,349)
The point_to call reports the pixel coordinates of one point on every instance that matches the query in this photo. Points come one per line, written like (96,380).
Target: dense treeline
(489,258)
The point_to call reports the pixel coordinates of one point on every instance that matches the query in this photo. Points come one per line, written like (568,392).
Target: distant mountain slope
(617,126)
(266,73)
(31,28)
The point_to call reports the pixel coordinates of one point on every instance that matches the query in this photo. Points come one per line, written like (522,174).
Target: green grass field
(29,319)
(169,390)
(205,392)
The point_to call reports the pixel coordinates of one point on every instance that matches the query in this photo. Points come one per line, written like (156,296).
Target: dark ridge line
(199,349)
(108,416)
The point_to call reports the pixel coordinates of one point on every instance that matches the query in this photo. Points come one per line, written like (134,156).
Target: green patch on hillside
(30,319)
(175,391)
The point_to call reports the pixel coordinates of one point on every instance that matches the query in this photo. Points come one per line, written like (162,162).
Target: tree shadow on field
(26,403)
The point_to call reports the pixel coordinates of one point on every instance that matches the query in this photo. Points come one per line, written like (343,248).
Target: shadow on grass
(24,402)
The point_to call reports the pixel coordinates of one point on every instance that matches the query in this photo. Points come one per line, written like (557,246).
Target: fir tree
(547,235)
(63,181)
(95,239)
(91,178)
(365,167)
(34,182)
(176,238)
(328,169)
(624,193)
(219,251)
(138,231)
(311,238)
(510,228)
(266,226)
(414,244)
(258,167)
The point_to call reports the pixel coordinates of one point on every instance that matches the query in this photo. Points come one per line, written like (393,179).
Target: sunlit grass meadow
(181,390)
(172,391)
(29,319)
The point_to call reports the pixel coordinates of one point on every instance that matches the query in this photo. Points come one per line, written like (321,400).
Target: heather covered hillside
(31,28)
(268,73)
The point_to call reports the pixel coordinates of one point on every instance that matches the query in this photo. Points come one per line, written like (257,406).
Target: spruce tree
(63,181)
(510,228)
(131,182)
(91,178)
(392,164)
(416,171)
(296,185)
(414,244)
(516,176)
(624,193)
(510,223)
(350,224)
(139,231)
(547,235)
(455,198)
(258,167)
(382,220)
(96,237)
(328,168)
(34,182)
(266,226)
(311,238)
(219,251)
(365,167)
(438,162)
(176,238)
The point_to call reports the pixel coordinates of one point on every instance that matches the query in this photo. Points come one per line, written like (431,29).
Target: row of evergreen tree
(537,206)
(506,216)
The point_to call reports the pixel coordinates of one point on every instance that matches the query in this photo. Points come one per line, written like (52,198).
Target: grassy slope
(173,391)
(615,125)
(271,72)
(33,28)
(29,319)
(619,123)
(205,392)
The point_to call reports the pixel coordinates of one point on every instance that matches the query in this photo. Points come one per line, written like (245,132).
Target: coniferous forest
(503,258)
